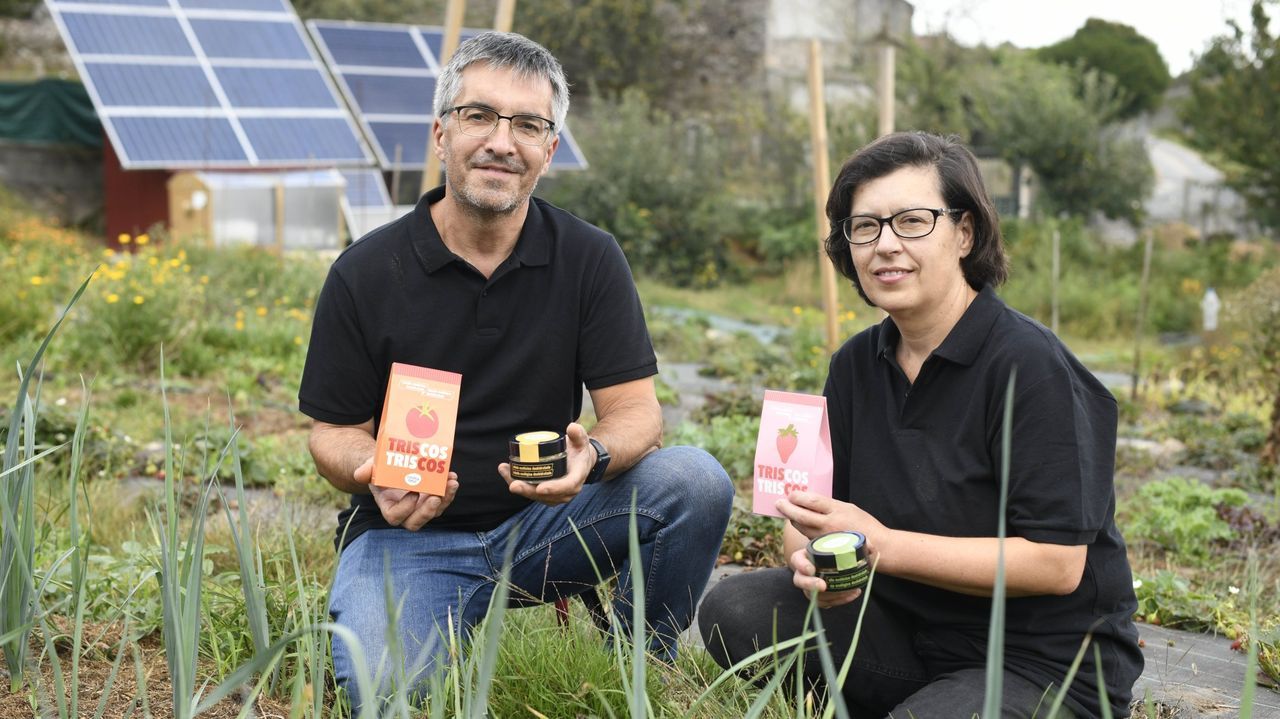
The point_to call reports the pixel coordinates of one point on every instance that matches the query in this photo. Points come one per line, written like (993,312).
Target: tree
(1253,322)
(605,46)
(1121,52)
(934,85)
(20,9)
(1232,110)
(1053,118)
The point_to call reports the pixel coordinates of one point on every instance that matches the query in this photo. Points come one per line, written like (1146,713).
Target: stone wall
(62,183)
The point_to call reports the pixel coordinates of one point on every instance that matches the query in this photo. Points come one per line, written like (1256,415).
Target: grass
(90,591)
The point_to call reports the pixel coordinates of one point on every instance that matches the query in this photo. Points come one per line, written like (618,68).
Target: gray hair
(504,50)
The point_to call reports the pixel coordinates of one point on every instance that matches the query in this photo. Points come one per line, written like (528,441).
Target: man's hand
(405,509)
(582,457)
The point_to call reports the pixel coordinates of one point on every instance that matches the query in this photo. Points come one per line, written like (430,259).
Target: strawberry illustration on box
(793,449)
(415,436)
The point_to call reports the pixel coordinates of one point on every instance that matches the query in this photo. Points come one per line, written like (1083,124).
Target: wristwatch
(602,462)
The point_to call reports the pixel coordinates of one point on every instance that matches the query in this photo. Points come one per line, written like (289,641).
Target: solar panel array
(208,84)
(388,75)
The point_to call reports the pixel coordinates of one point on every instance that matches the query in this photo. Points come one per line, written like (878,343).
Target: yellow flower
(297,340)
(123,238)
(175,262)
(108,252)
(138,299)
(261,311)
(239,325)
(143,239)
(112,298)
(204,279)
(37,280)
(796,310)
(150,260)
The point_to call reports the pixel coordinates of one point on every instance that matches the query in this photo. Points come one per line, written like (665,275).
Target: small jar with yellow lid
(538,456)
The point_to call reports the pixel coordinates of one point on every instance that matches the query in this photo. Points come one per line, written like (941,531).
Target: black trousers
(896,671)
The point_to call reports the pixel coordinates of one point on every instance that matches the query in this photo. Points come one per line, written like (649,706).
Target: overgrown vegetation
(700,195)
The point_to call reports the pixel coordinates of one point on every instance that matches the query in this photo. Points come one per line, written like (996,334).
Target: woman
(916,405)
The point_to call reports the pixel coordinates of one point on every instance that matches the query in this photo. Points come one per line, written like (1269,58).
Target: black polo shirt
(560,312)
(925,457)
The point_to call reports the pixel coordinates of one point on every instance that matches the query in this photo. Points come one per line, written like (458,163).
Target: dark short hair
(961,186)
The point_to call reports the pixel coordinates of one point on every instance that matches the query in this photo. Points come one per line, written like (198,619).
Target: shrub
(729,438)
(1253,322)
(656,183)
(1181,516)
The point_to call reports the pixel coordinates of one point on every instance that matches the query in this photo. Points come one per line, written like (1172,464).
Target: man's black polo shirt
(925,457)
(561,311)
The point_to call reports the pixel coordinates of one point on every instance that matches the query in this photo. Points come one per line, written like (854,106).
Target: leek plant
(66,694)
(248,554)
(181,572)
(17,514)
(995,632)
(1251,663)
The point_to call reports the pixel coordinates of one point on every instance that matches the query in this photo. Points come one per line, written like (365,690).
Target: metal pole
(395,176)
(822,186)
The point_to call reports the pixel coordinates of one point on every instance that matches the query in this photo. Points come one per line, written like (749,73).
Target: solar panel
(205,84)
(278,87)
(104,34)
(388,75)
(366,205)
(369,44)
(151,85)
(250,39)
(366,189)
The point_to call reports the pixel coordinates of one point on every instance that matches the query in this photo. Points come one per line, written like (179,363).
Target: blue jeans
(683,498)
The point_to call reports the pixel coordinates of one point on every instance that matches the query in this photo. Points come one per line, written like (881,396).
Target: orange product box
(415,437)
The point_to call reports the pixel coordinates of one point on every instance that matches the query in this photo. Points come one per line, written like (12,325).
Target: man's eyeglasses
(908,224)
(479,121)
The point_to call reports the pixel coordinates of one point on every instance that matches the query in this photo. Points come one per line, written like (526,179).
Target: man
(528,303)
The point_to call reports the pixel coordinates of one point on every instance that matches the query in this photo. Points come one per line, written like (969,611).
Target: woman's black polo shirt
(560,312)
(925,457)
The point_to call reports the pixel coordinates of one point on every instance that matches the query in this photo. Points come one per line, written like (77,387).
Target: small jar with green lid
(538,456)
(841,560)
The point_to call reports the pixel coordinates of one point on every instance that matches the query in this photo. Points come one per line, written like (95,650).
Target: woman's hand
(805,580)
(814,515)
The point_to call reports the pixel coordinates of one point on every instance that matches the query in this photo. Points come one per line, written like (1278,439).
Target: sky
(1179,28)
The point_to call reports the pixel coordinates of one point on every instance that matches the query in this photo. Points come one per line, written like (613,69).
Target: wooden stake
(886,86)
(505,16)
(452,30)
(1142,314)
(279,206)
(1057,268)
(821,187)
